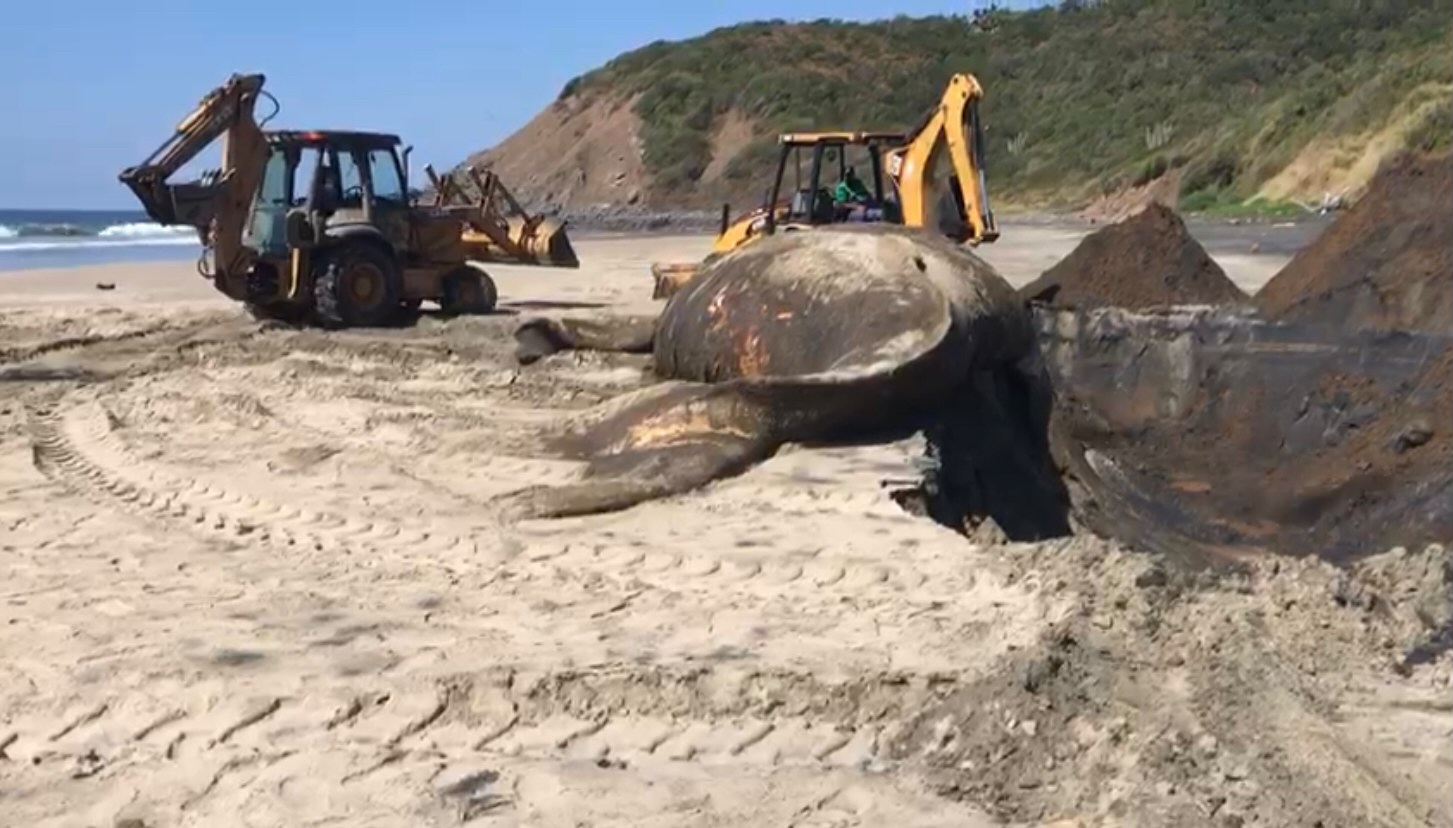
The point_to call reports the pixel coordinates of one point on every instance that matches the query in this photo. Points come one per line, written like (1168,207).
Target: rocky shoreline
(635,218)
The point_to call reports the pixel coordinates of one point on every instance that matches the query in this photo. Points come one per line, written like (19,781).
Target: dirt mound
(1147,260)
(1386,264)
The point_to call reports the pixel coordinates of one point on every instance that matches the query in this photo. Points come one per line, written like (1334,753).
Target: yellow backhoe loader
(320,225)
(921,191)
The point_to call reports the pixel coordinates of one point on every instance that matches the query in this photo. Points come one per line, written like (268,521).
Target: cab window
(388,185)
(274,189)
(350,180)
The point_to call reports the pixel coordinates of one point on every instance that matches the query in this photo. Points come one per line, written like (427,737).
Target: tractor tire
(265,303)
(358,286)
(468,290)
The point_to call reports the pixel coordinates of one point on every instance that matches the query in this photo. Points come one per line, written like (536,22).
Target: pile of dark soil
(1386,264)
(1148,260)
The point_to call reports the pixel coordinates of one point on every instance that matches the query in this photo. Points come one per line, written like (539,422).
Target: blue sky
(91,86)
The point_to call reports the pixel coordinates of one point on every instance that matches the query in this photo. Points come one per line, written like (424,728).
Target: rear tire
(358,286)
(266,303)
(468,290)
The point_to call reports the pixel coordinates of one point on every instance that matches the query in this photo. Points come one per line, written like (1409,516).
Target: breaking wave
(52,236)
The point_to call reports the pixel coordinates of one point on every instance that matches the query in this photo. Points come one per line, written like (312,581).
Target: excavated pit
(1217,432)
(1212,436)
(1316,422)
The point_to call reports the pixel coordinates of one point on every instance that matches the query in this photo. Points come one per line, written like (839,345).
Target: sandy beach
(249,582)
(613,274)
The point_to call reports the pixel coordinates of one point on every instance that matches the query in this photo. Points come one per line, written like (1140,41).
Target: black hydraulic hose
(276,107)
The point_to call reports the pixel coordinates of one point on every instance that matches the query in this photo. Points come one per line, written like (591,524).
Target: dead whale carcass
(812,337)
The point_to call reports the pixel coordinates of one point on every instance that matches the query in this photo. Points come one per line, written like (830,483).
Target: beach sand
(249,582)
(612,275)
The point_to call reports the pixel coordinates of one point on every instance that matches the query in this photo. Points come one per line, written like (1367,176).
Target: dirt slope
(1146,260)
(584,153)
(1121,204)
(1387,263)
(576,153)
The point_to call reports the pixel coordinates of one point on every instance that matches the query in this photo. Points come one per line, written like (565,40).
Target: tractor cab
(833,177)
(327,185)
(822,178)
(332,215)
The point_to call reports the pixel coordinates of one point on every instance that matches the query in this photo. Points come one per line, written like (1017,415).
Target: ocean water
(31,239)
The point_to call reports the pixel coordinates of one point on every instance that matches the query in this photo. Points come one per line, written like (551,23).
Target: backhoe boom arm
(226,109)
(216,205)
(952,125)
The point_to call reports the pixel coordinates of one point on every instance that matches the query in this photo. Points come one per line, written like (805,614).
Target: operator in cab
(854,202)
(851,190)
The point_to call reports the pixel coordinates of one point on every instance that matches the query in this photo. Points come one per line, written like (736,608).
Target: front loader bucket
(497,228)
(552,245)
(541,242)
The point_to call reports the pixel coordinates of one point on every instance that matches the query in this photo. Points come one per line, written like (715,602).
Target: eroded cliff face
(577,153)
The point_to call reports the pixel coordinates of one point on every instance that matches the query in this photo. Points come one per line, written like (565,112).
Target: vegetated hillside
(1234,99)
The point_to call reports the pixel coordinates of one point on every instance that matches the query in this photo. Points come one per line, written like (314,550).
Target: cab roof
(808,139)
(332,137)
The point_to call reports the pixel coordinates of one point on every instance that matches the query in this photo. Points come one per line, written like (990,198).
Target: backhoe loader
(953,200)
(319,225)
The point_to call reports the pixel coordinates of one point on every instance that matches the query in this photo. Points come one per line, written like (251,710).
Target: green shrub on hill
(1077,95)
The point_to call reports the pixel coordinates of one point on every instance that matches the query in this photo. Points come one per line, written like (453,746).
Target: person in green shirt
(851,190)
(852,194)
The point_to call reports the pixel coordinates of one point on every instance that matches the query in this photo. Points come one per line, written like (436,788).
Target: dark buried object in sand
(1317,430)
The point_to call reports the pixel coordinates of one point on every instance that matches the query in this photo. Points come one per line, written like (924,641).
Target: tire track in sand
(621,713)
(79,448)
(609,716)
(413,743)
